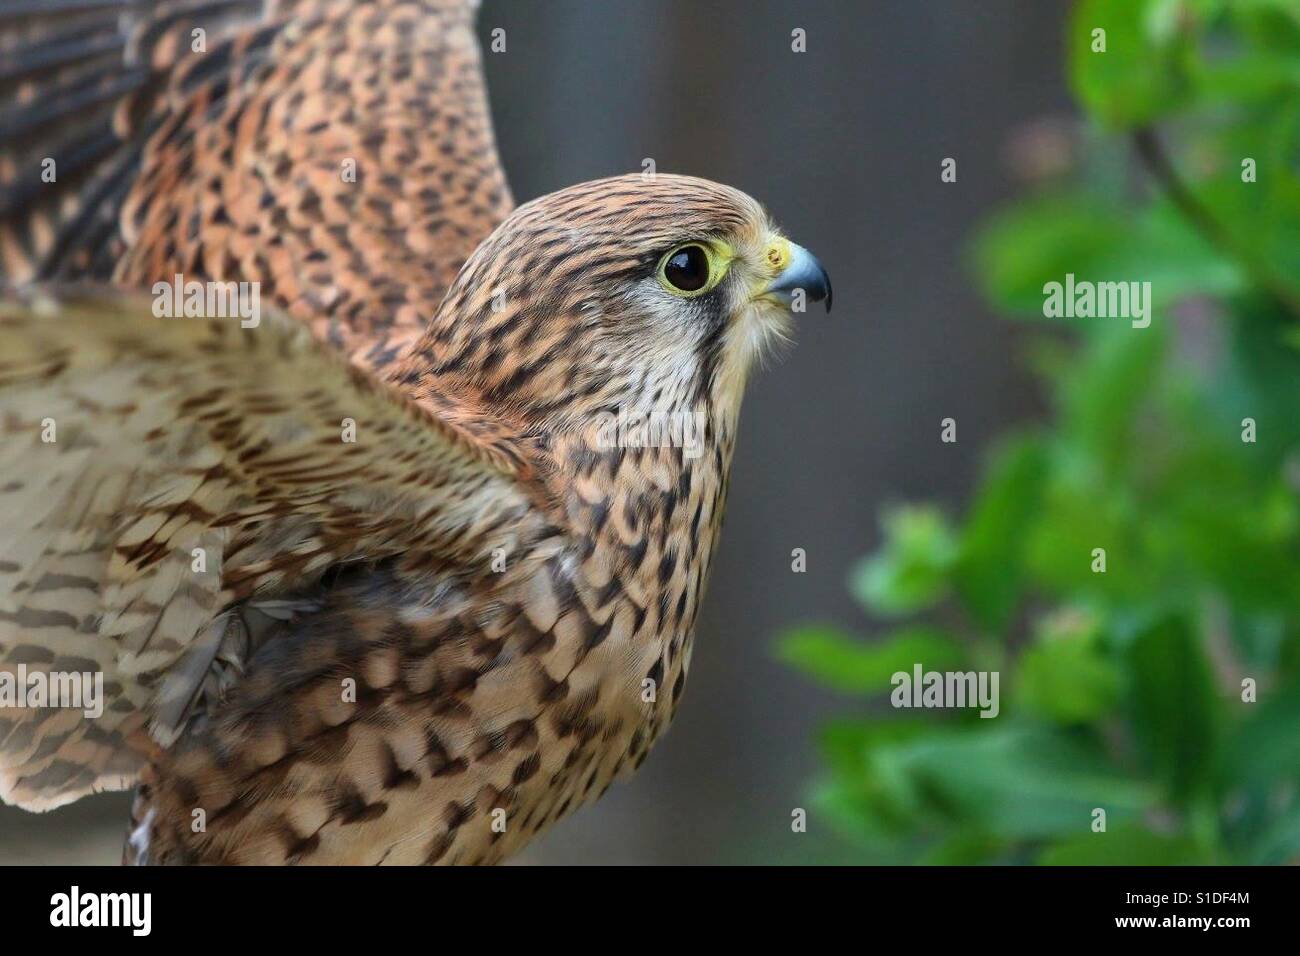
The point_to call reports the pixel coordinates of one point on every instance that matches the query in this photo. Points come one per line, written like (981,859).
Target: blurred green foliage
(1121,690)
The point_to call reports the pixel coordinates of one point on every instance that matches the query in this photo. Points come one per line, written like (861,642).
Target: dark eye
(687,268)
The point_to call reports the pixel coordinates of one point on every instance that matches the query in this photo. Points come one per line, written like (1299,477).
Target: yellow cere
(778,255)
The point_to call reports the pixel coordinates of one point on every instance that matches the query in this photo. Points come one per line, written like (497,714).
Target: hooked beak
(802,271)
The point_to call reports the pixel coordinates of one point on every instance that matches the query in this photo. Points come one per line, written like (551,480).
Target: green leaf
(1027,246)
(853,666)
(847,743)
(989,570)
(1246,78)
(1129,845)
(1163,248)
(866,805)
(964,848)
(1265,378)
(1279,844)
(1265,747)
(1232,532)
(857,814)
(1103,394)
(1261,219)
(1065,677)
(1173,706)
(1018,782)
(1268,26)
(910,573)
(1143,71)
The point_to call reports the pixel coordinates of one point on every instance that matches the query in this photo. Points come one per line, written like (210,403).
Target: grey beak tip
(817,284)
(804,273)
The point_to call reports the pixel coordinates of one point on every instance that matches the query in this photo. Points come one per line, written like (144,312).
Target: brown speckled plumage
(422,646)
(340,153)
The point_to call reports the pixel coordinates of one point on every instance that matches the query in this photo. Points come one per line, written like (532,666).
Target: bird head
(639,293)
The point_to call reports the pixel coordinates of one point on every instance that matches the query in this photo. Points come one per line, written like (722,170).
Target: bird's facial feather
(636,293)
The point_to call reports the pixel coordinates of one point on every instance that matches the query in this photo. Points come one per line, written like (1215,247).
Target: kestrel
(406,570)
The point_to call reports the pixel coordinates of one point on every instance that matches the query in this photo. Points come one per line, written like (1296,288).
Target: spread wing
(155,470)
(339,153)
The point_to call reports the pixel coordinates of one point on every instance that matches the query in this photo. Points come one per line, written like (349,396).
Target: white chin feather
(762,332)
(754,338)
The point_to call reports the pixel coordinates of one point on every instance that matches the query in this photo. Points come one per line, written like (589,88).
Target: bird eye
(687,269)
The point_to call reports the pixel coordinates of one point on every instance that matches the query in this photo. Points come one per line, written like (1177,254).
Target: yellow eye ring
(691,269)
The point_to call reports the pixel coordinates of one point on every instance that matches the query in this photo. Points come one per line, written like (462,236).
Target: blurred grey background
(843,143)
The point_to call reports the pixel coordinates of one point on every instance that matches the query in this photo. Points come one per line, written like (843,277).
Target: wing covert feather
(153,471)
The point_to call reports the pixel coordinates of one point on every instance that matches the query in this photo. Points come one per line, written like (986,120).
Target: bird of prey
(376,579)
